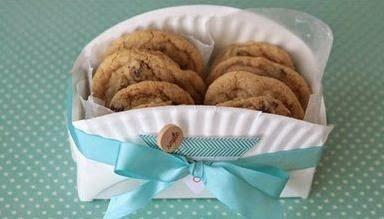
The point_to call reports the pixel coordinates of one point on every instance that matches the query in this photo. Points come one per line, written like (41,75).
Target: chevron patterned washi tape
(208,147)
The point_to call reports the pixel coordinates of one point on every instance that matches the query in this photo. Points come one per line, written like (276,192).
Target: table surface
(39,40)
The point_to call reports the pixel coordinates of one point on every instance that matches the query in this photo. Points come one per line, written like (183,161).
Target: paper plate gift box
(244,133)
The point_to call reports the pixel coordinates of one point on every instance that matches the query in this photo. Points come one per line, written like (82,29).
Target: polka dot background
(39,40)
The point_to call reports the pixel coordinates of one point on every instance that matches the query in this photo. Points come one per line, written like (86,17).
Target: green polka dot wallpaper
(40,39)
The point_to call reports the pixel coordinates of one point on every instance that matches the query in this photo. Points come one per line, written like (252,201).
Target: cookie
(241,84)
(149,93)
(256,49)
(264,67)
(261,103)
(146,105)
(173,45)
(126,67)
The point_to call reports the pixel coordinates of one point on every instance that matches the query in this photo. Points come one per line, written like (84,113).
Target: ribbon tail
(240,196)
(127,203)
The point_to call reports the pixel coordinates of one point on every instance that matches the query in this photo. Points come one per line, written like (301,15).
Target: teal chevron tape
(209,146)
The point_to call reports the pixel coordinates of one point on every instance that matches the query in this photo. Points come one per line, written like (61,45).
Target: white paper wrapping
(306,38)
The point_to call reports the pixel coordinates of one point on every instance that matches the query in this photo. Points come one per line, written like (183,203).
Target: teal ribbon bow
(250,186)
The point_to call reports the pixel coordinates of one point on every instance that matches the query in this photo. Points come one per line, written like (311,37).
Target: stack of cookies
(258,76)
(149,68)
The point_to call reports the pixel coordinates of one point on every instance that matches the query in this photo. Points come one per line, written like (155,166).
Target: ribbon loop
(197,170)
(141,162)
(270,180)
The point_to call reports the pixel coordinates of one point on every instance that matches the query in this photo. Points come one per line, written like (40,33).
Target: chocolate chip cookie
(262,103)
(126,67)
(264,67)
(165,103)
(256,49)
(149,93)
(240,85)
(173,45)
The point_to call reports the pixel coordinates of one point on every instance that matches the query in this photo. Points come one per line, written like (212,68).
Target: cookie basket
(211,28)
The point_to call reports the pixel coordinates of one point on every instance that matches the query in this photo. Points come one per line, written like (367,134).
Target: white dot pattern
(39,40)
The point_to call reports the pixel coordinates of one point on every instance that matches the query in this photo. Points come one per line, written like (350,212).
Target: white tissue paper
(210,28)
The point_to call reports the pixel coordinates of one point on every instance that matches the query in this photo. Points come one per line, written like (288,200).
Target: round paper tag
(170,138)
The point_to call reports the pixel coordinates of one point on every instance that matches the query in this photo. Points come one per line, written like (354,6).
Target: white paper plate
(305,37)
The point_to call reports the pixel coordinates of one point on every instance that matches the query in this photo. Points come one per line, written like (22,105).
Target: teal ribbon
(250,186)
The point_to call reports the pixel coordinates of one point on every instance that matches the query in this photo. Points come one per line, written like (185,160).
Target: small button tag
(170,138)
